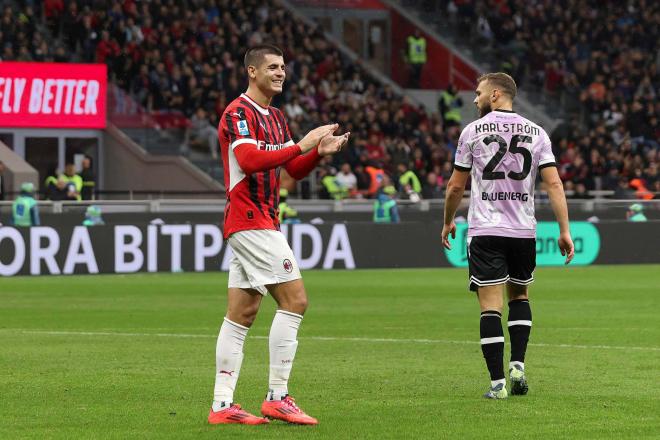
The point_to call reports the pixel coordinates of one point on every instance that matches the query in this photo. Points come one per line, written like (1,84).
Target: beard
(484,110)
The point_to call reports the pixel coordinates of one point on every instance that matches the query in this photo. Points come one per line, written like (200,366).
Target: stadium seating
(175,58)
(594,63)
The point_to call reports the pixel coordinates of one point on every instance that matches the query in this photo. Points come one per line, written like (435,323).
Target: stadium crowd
(187,56)
(607,55)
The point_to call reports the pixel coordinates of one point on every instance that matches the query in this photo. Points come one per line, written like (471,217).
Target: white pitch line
(324,338)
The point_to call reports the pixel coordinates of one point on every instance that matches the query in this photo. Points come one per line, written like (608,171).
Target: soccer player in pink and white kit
(502,152)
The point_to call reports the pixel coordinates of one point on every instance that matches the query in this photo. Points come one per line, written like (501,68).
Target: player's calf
(520,325)
(492,347)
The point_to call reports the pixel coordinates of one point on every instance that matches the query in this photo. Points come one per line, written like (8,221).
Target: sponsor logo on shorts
(288,266)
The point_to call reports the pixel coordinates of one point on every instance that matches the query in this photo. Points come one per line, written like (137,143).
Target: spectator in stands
(179,56)
(409,183)
(72,26)
(88,179)
(376,178)
(53,10)
(287,214)
(606,79)
(329,187)
(611,180)
(623,190)
(24,210)
(374,148)
(449,105)
(346,180)
(580,192)
(432,188)
(70,193)
(445,174)
(202,133)
(58,187)
(363,180)
(52,188)
(73,182)
(400,153)
(169,65)
(416,58)
(107,50)
(641,192)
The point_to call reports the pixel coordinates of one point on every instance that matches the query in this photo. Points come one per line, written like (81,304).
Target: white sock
(494,383)
(518,363)
(282,342)
(228,359)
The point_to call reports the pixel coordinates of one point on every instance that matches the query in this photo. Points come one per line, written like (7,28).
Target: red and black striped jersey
(252,196)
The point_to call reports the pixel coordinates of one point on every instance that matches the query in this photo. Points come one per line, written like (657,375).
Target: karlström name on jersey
(506,127)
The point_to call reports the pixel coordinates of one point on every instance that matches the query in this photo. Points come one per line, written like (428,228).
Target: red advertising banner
(52,95)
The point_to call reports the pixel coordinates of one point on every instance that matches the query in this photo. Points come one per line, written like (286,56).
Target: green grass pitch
(382,354)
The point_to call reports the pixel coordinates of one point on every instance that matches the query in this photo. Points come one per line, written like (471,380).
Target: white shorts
(261,257)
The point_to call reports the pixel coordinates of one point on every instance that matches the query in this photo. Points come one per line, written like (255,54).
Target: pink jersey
(503,152)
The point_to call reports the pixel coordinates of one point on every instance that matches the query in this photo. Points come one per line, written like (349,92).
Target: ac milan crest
(288,266)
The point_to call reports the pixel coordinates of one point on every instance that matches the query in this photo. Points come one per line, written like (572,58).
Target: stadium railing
(217,204)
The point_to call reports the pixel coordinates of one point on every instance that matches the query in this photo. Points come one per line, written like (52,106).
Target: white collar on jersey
(260,109)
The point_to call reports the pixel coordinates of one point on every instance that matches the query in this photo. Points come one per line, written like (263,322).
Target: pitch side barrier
(199,247)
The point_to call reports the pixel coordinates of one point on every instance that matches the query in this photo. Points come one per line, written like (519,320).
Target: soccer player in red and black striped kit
(256,143)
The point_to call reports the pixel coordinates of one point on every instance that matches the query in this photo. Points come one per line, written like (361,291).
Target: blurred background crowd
(187,56)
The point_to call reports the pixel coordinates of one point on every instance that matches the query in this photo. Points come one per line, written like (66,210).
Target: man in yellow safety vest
(416,58)
(450,104)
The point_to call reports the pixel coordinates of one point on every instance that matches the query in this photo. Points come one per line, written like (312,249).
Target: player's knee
(248,317)
(297,304)
(245,316)
(301,304)
(517,292)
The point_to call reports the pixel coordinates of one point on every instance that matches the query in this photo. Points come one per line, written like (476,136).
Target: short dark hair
(502,81)
(254,55)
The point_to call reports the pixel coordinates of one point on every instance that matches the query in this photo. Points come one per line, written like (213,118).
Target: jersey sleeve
(301,166)
(240,128)
(546,157)
(463,156)
(252,160)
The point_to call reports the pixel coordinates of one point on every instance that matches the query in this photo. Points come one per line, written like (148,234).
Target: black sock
(492,343)
(520,324)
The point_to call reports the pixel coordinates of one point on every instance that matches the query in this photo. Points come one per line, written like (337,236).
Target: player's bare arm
(555,191)
(455,190)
